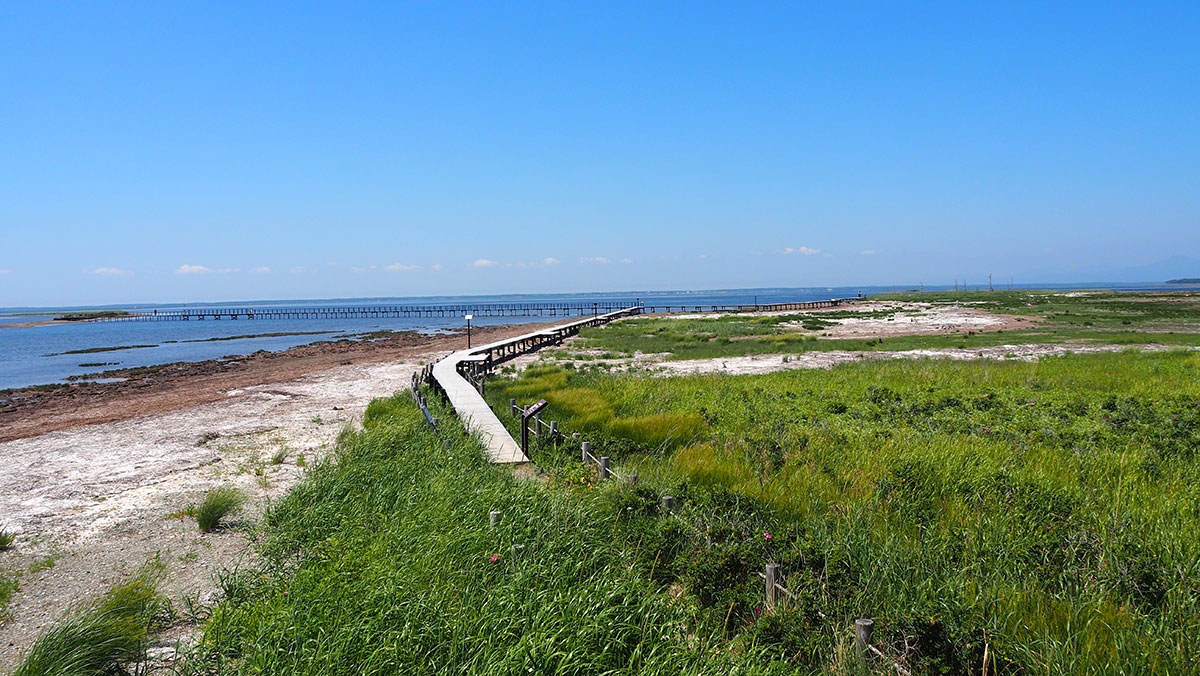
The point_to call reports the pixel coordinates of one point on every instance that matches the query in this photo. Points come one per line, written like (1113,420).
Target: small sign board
(534,409)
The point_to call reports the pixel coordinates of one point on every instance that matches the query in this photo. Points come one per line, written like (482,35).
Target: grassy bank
(383,561)
(1046,513)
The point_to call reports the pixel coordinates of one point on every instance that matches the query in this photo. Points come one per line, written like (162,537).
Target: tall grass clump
(218,504)
(7,538)
(104,637)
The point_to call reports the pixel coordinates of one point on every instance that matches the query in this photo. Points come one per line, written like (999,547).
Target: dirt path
(92,480)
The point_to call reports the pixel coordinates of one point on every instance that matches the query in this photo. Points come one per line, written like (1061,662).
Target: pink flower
(758,610)
(285,591)
(766,535)
(494,558)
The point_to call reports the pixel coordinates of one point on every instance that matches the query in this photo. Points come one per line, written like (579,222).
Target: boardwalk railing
(476,366)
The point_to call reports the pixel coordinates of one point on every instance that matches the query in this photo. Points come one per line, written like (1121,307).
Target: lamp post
(469,331)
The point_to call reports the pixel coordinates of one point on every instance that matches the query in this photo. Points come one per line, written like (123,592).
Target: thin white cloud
(298,270)
(545,262)
(363,270)
(226,271)
(436,267)
(598,260)
(806,251)
(260,270)
(485,263)
(4,271)
(867,252)
(403,267)
(627,261)
(192,270)
(108,272)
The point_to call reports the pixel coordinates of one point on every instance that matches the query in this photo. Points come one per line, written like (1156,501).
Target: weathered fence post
(862,636)
(633,479)
(604,468)
(553,430)
(772,590)
(668,503)
(493,518)
(512,406)
(587,447)
(518,553)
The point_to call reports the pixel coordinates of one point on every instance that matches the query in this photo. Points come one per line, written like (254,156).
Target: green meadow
(1046,514)
(990,516)
(1167,318)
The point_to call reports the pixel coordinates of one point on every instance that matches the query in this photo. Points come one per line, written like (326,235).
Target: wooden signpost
(525,416)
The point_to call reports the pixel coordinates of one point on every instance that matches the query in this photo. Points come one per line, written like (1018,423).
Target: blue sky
(220,151)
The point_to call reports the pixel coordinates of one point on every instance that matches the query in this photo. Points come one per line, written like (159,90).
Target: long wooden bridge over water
(575,309)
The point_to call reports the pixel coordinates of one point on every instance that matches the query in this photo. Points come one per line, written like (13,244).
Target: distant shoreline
(34,410)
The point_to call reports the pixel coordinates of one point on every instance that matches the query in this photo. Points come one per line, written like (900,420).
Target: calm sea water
(33,355)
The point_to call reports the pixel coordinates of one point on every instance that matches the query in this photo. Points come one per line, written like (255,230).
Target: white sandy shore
(96,500)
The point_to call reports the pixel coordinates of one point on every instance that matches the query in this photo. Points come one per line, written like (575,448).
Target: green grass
(382,561)
(1106,317)
(9,584)
(101,638)
(218,504)
(1047,511)
(7,537)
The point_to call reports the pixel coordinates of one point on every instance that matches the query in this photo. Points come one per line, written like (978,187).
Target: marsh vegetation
(1168,318)
(1044,512)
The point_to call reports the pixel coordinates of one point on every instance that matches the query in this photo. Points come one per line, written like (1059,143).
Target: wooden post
(862,636)
(512,406)
(668,503)
(587,447)
(553,430)
(518,553)
(633,479)
(493,518)
(772,590)
(604,468)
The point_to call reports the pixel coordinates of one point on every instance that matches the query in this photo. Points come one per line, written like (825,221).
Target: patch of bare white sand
(913,318)
(91,504)
(771,363)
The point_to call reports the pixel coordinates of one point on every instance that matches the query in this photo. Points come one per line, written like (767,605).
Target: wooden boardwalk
(456,374)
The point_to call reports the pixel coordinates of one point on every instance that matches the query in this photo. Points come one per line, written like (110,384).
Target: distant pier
(578,309)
